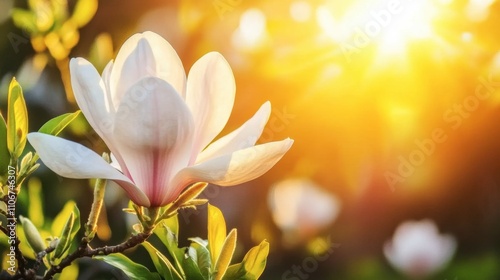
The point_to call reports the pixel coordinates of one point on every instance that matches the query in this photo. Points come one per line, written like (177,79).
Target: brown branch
(84,250)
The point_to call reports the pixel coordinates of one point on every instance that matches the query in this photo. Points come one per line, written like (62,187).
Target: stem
(153,213)
(91,226)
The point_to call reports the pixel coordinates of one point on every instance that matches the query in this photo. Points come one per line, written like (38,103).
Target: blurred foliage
(50,25)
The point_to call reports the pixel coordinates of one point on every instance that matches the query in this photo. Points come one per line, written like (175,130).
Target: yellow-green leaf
(190,264)
(130,268)
(69,272)
(66,226)
(62,216)
(101,51)
(4,152)
(60,10)
(202,257)
(169,239)
(35,209)
(64,237)
(174,275)
(84,12)
(24,20)
(252,266)
(44,17)
(226,255)
(17,120)
(216,233)
(161,263)
(172,224)
(255,260)
(55,125)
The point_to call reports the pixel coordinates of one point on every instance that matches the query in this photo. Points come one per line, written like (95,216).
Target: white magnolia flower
(158,126)
(300,208)
(418,250)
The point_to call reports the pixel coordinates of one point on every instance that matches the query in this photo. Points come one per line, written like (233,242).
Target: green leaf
(35,209)
(162,264)
(226,255)
(236,271)
(4,151)
(17,120)
(172,223)
(190,265)
(65,237)
(77,225)
(166,262)
(130,268)
(60,219)
(203,259)
(66,230)
(169,239)
(252,266)
(57,124)
(84,11)
(216,233)
(24,20)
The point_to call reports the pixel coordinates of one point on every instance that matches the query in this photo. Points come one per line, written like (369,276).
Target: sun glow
(415,22)
(390,25)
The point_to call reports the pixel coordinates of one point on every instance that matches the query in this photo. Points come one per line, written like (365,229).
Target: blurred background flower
(301,209)
(418,250)
(393,106)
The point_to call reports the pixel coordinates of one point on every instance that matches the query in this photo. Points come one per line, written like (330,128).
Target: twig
(84,250)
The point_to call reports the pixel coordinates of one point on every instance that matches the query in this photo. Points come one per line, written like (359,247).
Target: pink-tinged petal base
(153,132)
(72,160)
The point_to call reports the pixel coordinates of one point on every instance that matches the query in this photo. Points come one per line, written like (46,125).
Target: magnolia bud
(32,235)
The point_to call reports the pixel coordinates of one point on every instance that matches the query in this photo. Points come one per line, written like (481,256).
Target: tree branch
(84,250)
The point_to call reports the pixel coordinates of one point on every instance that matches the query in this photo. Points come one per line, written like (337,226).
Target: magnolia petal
(106,73)
(134,61)
(72,160)
(114,162)
(94,101)
(236,168)
(90,95)
(210,97)
(153,132)
(243,137)
(142,55)
(169,66)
